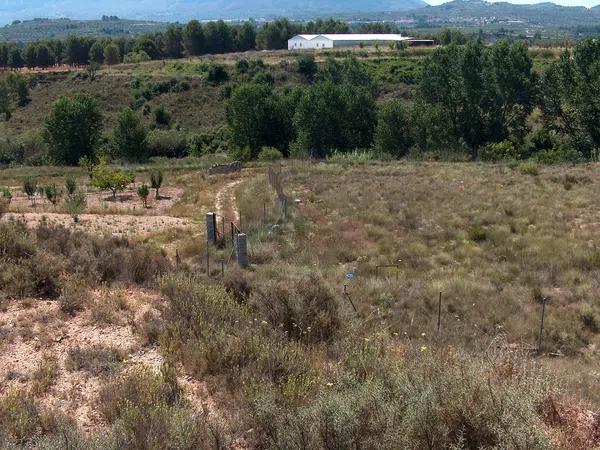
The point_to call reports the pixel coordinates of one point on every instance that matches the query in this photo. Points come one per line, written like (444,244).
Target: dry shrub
(210,332)
(19,417)
(74,296)
(149,328)
(305,309)
(106,308)
(139,388)
(44,376)
(94,360)
(237,285)
(431,401)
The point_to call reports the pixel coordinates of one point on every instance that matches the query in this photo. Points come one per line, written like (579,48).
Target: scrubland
(110,342)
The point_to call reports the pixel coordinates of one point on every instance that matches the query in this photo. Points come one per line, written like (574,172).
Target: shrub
(136,57)
(237,285)
(30,188)
(305,309)
(44,376)
(307,67)
(140,389)
(156,181)
(53,194)
(75,205)
(70,186)
(19,417)
(94,360)
(74,296)
(162,116)
(269,154)
(499,151)
(217,73)
(559,154)
(529,168)
(167,143)
(143,193)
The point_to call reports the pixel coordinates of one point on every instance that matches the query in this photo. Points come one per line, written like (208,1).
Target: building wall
(303,44)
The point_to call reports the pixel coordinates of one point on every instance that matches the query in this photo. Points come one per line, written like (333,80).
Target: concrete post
(241,250)
(211,228)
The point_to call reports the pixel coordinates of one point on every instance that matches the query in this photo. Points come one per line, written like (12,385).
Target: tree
(22,91)
(112,55)
(334,117)
(30,188)
(156,181)
(219,37)
(245,37)
(274,35)
(45,56)
(173,42)
(143,193)
(15,60)
(72,129)
(129,138)
(193,38)
(307,67)
(257,118)
(30,56)
(75,205)
(148,46)
(5,106)
(114,181)
(70,186)
(97,53)
(392,134)
(52,194)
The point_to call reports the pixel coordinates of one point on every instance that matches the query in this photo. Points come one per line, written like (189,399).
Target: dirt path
(225,201)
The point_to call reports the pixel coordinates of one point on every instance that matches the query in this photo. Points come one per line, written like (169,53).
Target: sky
(586,3)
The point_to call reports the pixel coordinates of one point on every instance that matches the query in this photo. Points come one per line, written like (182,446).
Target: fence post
(542,325)
(211,228)
(241,250)
(207,259)
(439,313)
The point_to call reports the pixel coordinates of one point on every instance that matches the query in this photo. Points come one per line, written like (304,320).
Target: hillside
(184,10)
(482,12)
(40,29)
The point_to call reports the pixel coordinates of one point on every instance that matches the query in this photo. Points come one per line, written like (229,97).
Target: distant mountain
(184,10)
(542,14)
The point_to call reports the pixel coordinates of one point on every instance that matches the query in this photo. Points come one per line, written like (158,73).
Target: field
(339,309)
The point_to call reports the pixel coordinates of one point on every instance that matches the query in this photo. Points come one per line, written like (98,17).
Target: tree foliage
(72,129)
(107,179)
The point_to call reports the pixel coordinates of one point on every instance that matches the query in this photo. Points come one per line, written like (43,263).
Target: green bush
(269,154)
(559,154)
(529,168)
(217,73)
(167,143)
(136,57)
(498,151)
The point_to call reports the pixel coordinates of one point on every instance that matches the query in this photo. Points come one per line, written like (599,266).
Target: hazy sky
(587,3)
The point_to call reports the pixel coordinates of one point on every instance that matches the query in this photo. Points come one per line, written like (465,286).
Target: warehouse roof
(355,37)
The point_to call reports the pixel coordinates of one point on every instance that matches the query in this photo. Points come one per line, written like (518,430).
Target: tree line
(176,41)
(473,101)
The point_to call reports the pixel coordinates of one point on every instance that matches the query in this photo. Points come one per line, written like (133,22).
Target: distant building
(318,41)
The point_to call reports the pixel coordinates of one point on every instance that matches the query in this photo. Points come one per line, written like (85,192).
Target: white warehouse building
(316,41)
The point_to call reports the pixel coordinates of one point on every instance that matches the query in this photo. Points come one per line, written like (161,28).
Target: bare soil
(103,203)
(115,224)
(32,330)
